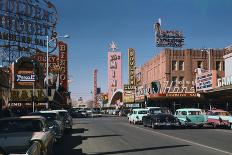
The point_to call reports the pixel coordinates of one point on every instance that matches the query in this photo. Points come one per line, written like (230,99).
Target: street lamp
(47,63)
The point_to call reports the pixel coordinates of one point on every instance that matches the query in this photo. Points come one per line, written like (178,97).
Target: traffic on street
(115,77)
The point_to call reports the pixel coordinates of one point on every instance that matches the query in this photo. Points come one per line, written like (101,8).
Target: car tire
(152,125)
(144,124)
(134,122)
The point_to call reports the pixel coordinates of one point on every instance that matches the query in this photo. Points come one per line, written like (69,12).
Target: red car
(218,117)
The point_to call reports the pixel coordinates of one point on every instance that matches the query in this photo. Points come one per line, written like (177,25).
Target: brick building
(180,65)
(174,70)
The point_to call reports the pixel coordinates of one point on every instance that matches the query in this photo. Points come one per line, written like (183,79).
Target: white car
(136,116)
(230,122)
(54,122)
(25,135)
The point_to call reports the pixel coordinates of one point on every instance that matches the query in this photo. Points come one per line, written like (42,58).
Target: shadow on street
(139,150)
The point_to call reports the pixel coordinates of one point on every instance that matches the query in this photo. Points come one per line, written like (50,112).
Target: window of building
(174,65)
(181,65)
(218,66)
(199,64)
(174,80)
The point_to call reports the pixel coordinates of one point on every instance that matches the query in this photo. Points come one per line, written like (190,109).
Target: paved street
(114,135)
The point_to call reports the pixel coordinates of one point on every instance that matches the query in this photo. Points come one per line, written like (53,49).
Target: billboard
(131,66)
(63,63)
(24,25)
(168,38)
(114,72)
(128,97)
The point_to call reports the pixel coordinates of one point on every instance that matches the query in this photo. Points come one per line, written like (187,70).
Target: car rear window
(194,112)
(142,112)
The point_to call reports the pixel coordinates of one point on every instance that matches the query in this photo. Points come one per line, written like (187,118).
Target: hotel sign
(131,66)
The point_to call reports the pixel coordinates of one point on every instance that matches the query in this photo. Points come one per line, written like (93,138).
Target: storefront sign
(225,81)
(131,66)
(128,97)
(127,87)
(53,62)
(204,81)
(63,61)
(25,78)
(181,94)
(23,95)
(24,25)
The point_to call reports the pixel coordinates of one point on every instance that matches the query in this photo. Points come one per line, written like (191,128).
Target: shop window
(174,79)
(199,64)
(174,65)
(218,66)
(181,65)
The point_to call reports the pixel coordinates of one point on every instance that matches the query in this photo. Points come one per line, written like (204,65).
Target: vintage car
(54,122)
(230,122)
(136,116)
(25,135)
(189,117)
(218,117)
(66,119)
(160,120)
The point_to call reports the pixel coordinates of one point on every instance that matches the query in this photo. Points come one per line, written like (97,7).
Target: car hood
(18,142)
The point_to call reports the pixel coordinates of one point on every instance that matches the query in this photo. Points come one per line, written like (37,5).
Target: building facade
(169,77)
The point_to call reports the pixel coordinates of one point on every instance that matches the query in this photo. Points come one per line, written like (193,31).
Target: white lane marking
(184,140)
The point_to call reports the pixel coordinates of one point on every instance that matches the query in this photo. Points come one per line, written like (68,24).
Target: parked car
(136,116)
(160,120)
(218,117)
(25,135)
(189,117)
(96,113)
(230,122)
(79,113)
(66,119)
(54,122)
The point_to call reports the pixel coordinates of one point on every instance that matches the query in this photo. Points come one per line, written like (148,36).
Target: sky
(93,24)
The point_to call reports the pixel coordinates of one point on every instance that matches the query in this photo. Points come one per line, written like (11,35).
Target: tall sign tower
(114,69)
(95,88)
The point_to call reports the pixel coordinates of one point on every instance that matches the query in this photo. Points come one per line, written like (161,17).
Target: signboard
(63,63)
(95,87)
(204,81)
(53,62)
(127,87)
(114,72)
(24,26)
(25,95)
(168,38)
(131,66)
(128,97)
(225,81)
(25,77)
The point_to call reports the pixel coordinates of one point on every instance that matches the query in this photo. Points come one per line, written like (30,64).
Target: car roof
(153,107)
(218,110)
(188,109)
(48,111)
(61,110)
(24,118)
(140,109)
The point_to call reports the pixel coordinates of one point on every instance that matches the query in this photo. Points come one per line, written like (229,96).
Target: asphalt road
(114,135)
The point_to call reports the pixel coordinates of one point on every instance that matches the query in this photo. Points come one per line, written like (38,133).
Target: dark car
(79,113)
(160,120)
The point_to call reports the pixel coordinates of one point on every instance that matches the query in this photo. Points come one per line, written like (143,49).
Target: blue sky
(93,24)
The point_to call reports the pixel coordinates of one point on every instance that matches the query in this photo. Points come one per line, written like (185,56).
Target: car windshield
(142,112)
(222,113)
(20,126)
(155,111)
(194,112)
